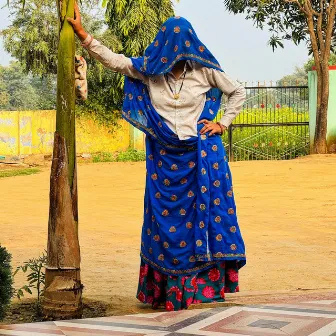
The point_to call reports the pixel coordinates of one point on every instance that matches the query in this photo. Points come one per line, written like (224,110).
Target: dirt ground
(286,211)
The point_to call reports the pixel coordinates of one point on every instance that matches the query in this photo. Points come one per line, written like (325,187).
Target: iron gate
(273,125)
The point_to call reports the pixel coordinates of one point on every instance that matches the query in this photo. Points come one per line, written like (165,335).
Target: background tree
(298,77)
(135,23)
(300,74)
(311,63)
(310,21)
(21,91)
(32,38)
(33,35)
(16,90)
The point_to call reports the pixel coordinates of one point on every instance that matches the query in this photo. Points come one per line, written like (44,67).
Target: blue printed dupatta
(190,220)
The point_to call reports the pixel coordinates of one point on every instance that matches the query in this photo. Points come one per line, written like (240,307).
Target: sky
(240,48)
(4,22)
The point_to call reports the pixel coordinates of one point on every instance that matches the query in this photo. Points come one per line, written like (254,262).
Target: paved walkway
(297,318)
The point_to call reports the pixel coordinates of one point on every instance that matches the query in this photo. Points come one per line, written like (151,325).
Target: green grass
(103,157)
(130,155)
(18,172)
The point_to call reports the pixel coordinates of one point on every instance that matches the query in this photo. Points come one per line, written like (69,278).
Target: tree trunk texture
(320,139)
(321,53)
(63,288)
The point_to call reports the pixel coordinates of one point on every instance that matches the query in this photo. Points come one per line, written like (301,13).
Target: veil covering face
(190,221)
(175,41)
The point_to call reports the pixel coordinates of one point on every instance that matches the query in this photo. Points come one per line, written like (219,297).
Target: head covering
(176,41)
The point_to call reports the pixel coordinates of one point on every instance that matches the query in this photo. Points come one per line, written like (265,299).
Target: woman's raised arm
(116,62)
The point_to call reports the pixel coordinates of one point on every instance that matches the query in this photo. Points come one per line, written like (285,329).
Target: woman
(191,246)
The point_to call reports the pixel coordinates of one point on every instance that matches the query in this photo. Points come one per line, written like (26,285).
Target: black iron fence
(273,125)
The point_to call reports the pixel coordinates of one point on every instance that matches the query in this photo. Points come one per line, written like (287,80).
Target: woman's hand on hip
(76,23)
(212,127)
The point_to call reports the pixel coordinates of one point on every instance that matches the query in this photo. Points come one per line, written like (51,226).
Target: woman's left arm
(236,97)
(235,91)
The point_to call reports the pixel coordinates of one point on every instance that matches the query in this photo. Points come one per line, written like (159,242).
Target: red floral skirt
(179,292)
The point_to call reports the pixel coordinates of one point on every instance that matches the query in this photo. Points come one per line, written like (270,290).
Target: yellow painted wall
(32,132)
(9,134)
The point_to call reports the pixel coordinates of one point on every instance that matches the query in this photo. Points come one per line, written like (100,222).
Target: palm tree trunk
(63,288)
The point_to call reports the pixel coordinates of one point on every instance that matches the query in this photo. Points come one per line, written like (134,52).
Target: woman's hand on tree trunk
(76,23)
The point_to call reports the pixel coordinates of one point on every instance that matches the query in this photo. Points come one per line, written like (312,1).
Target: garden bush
(133,155)
(130,155)
(6,281)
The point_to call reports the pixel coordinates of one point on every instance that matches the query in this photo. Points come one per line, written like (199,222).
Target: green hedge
(130,155)
(264,143)
(6,281)
(258,115)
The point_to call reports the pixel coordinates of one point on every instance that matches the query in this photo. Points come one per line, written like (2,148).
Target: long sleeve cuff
(87,41)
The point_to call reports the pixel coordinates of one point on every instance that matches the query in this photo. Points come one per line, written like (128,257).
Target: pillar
(331,129)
